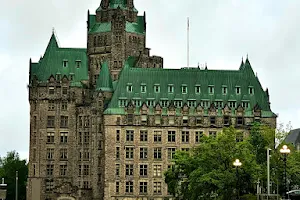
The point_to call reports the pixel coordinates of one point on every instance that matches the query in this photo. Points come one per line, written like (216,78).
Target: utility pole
(17,185)
(268,171)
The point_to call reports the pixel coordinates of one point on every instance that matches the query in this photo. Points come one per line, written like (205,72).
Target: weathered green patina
(60,62)
(104,82)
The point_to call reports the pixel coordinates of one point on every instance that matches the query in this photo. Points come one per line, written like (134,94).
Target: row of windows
(143,170)
(171,137)
(65,63)
(100,41)
(64,90)
(143,187)
(52,105)
(49,185)
(83,170)
(83,137)
(63,154)
(179,103)
(184,89)
(64,122)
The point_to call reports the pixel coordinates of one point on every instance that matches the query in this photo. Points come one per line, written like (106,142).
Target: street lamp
(285,151)
(237,164)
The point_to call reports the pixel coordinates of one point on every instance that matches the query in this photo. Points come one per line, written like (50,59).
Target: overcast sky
(221,33)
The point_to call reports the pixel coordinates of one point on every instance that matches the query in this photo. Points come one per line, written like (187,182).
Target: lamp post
(285,151)
(237,164)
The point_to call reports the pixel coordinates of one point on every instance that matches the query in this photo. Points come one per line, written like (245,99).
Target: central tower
(116,32)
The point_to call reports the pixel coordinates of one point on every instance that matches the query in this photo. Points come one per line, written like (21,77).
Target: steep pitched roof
(293,136)
(51,63)
(104,82)
(191,77)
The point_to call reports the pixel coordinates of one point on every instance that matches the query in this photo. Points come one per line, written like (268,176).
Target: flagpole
(17,185)
(188,42)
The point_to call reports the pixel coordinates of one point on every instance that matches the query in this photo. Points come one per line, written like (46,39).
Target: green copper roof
(131,27)
(189,77)
(52,63)
(104,82)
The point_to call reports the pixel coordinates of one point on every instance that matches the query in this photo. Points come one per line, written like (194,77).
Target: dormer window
(238,90)
(51,90)
(205,104)
(78,63)
(143,88)
(58,77)
(232,104)
(184,89)
(245,104)
(192,103)
(197,89)
(170,88)
(122,102)
(129,88)
(251,90)
(157,88)
(224,89)
(164,103)
(65,63)
(219,104)
(178,103)
(211,89)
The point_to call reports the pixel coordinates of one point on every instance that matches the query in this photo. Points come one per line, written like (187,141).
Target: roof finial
(198,65)
(53,30)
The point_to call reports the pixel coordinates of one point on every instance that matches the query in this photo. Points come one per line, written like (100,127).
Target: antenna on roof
(188,42)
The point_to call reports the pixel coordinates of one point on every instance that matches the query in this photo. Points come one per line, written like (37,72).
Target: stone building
(105,121)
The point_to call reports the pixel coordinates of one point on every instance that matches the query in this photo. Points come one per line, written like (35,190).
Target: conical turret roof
(104,82)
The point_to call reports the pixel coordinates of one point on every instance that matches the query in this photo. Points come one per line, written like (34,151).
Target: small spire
(198,65)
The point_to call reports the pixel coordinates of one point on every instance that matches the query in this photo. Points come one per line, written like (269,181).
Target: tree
(209,168)
(8,167)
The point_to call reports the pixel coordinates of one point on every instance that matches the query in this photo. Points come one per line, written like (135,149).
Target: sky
(221,33)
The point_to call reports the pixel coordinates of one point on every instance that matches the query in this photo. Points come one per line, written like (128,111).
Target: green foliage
(8,167)
(209,168)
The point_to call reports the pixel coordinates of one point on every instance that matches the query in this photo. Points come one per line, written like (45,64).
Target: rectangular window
(86,184)
(157,136)
(224,90)
(64,105)
(129,152)
(143,136)
(64,121)
(143,153)
(143,187)
(184,89)
(117,135)
(185,120)
(185,136)
(86,121)
(143,88)
(50,137)
(50,154)
(157,187)
(129,135)
(185,149)
(199,120)
(117,187)
(117,153)
(63,170)
(150,103)
(170,88)
(86,170)
(50,169)
(192,103)
(157,153)
(156,88)
(51,122)
(129,88)
(212,134)
(226,120)
(63,154)
(78,63)
(238,90)
(117,170)
(122,102)
(171,136)
(211,89)
(245,104)
(143,170)
(51,105)
(178,103)
(157,171)
(129,118)
(171,153)
(51,90)
(197,89)
(219,104)
(212,120)
(129,187)
(64,90)
(129,170)
(205,104)
(251,90)
(240,121)
(86,138)
(63,137)
(164,103)
(198,135)
(137,102)
(49,185)
(65,63)
(232,104)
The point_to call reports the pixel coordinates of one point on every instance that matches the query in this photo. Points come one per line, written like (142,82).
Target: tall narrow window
(251,90)
(65,63)
(129,135)
(143,88)
(211,89)
(170,88)
(184,89)
(224,89)
(156,88)
(185,136)
(129,88)
(197,89)
(238,89)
